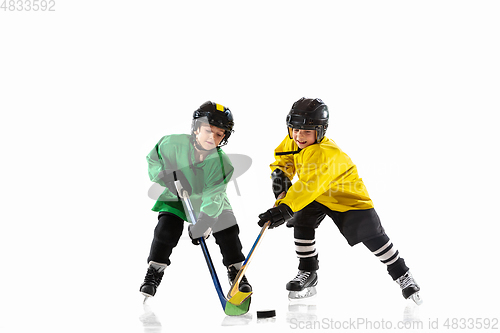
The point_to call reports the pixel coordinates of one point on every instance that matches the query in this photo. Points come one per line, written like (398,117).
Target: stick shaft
(211,268)
(236,284)
(237,280)
(189,208)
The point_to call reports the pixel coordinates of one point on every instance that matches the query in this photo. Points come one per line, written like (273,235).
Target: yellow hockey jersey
(325,174)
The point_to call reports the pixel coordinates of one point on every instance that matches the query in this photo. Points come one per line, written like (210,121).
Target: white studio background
(87,90)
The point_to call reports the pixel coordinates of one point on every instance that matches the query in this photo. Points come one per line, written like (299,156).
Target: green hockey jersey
(208,179)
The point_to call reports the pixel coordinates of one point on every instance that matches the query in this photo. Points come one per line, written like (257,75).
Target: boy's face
(209,136)
(303,138)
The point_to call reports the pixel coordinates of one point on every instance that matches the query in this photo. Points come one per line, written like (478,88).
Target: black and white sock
(305,248)
(383,248)
(387,253)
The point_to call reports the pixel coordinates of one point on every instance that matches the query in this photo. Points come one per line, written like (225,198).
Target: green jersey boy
(204,171)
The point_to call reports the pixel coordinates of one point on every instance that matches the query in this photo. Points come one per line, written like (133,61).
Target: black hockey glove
(277,215)
(169,177)
(202,228)
(281,183)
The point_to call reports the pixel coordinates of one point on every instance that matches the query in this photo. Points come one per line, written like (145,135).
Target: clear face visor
(203,121)
(198,122)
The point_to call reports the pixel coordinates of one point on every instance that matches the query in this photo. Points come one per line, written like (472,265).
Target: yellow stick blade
(239,298)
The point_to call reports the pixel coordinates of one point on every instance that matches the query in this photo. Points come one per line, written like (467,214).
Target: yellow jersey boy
(328,184)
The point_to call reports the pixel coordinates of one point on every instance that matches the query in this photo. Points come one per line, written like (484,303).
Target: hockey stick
(229,308)
(235,296)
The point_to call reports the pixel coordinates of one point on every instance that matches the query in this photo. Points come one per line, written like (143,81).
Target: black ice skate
(152,279)
(244,285)
(303,285)
(409,288)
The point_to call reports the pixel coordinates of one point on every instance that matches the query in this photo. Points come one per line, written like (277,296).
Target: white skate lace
(302,276)
(406,281)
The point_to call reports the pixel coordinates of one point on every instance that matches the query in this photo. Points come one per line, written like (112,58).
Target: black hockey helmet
(309,114)
(216,115)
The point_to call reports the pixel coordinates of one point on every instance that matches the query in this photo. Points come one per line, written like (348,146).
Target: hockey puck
(266,314)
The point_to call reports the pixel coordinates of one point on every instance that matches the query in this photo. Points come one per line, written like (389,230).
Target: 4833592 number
(28,5)
(471,323)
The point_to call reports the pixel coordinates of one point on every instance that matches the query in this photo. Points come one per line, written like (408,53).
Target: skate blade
(146,297)
(416,298)
(306,293)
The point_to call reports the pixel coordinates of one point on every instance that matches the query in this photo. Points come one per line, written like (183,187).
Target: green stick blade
(237,310)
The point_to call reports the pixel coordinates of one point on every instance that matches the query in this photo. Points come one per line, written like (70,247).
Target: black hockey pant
(356,226)
(169,230)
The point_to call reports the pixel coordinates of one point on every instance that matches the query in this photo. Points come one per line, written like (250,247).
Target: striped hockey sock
(387,253)
(305,248)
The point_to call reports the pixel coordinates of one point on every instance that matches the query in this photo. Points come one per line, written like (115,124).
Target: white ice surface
(87,91)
